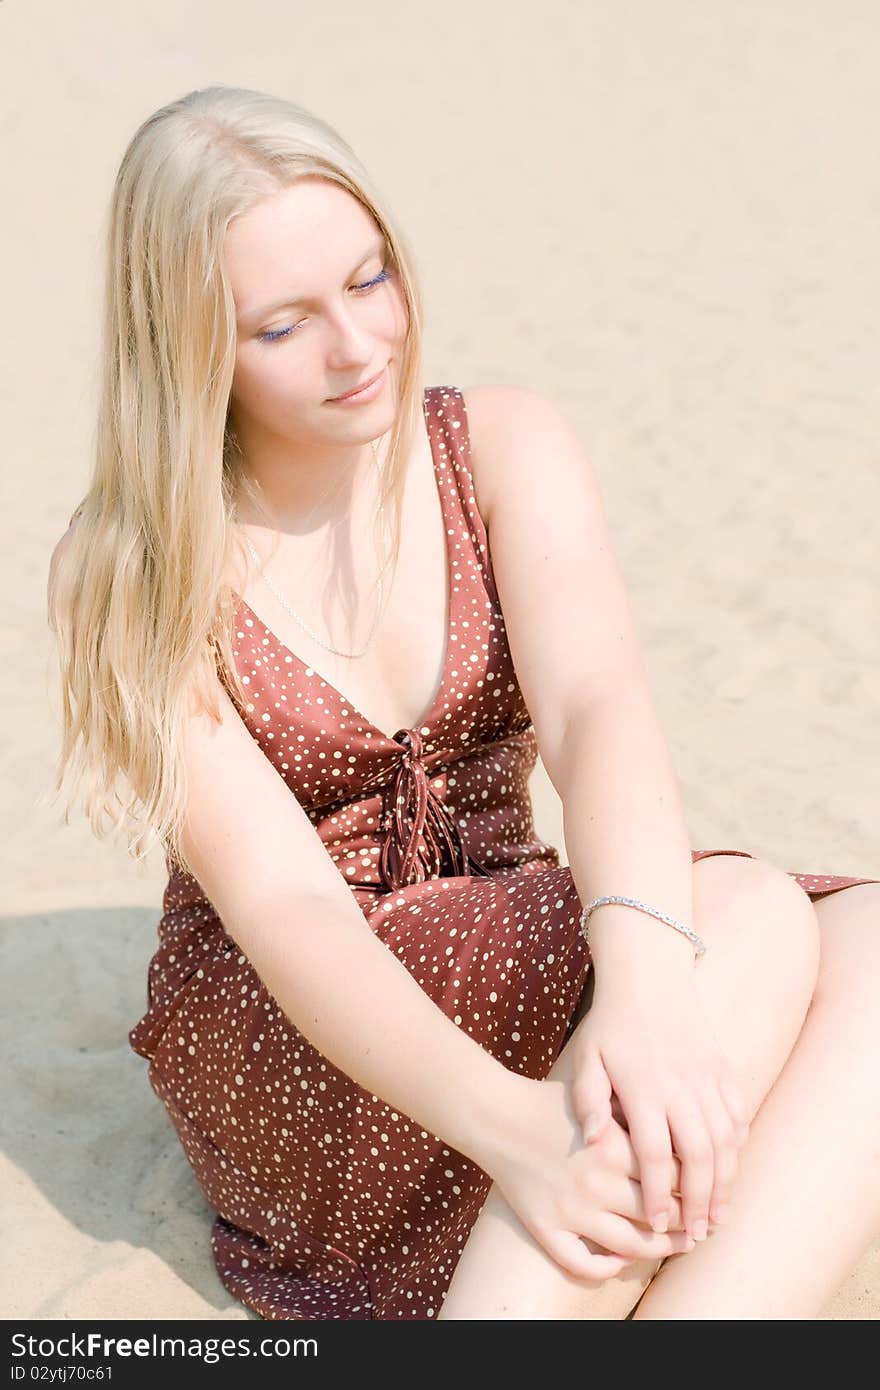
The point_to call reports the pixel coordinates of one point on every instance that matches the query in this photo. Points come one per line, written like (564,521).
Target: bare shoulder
(497,415)
(561,590)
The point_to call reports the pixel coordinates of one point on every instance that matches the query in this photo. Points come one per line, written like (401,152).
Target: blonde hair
(137,600)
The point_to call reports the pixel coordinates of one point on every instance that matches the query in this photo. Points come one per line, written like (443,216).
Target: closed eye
(272,335)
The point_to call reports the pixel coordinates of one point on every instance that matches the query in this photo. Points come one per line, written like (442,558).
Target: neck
(306,487)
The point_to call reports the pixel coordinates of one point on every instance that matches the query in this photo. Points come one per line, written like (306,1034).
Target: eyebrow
(256,314)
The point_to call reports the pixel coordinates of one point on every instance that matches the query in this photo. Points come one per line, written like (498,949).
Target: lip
(364,392)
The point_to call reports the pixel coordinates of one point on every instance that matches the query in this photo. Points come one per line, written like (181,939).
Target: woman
(449,1114)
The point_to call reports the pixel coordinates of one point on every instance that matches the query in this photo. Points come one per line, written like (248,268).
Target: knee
(762,916)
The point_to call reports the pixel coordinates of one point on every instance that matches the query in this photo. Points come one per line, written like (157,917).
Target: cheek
(244,371)
(400,315)
(261,374)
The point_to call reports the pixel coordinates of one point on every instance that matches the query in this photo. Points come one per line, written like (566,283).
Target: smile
(367,392)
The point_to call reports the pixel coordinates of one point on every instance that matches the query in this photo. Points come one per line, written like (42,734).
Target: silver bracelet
(699,944)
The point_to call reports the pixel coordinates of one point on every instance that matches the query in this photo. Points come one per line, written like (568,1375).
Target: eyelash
(273,335)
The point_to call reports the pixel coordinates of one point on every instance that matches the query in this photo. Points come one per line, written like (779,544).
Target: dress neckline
(424,725)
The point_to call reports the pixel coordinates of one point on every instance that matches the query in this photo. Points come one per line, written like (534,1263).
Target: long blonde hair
(137,599)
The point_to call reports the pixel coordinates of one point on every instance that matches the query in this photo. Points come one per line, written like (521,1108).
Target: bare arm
(578,661)
(283,900)
(360,1007)
(647,1038)
(625,834)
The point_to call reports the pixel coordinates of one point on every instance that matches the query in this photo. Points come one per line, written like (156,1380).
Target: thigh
(845,998)
(849,930)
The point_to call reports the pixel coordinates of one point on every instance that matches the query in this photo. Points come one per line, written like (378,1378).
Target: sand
(663,217)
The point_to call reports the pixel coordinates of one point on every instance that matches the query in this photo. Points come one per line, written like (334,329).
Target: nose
(351,344)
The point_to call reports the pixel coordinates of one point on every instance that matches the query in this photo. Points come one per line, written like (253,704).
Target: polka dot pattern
(329,1203)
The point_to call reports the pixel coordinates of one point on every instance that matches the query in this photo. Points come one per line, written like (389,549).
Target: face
(319,311)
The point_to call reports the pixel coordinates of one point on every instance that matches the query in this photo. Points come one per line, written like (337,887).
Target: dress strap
(447,404)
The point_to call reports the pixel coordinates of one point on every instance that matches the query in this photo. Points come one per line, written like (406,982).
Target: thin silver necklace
(286,606)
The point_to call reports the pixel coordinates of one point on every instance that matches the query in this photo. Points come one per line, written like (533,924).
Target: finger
(617,1111)
(617,1151)
(721,1129)
(591,1096)
(631,1166)
(623,1197)
(571,1254)
(696,1153)
(617,1146)
(621,1237)
(650,1138)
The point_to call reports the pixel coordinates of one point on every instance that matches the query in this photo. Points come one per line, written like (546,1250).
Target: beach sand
(665,218)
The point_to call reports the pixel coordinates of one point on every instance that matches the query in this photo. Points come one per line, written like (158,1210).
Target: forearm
(354,1000)
(625,834)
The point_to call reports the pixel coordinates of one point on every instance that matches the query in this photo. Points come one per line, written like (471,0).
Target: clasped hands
(668,1117)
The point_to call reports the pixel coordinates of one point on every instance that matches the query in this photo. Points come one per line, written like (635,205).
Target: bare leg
(806,1200)
(757,980)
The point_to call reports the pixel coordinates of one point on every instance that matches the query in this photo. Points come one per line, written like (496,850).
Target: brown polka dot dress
(331,1204)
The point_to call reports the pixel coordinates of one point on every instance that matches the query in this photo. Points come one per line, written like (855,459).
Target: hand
(654,1050)
(582,1204)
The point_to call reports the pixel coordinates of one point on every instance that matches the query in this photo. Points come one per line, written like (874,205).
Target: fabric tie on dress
(423,838)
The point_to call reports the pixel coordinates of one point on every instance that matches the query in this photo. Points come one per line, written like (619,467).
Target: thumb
(591,1094)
